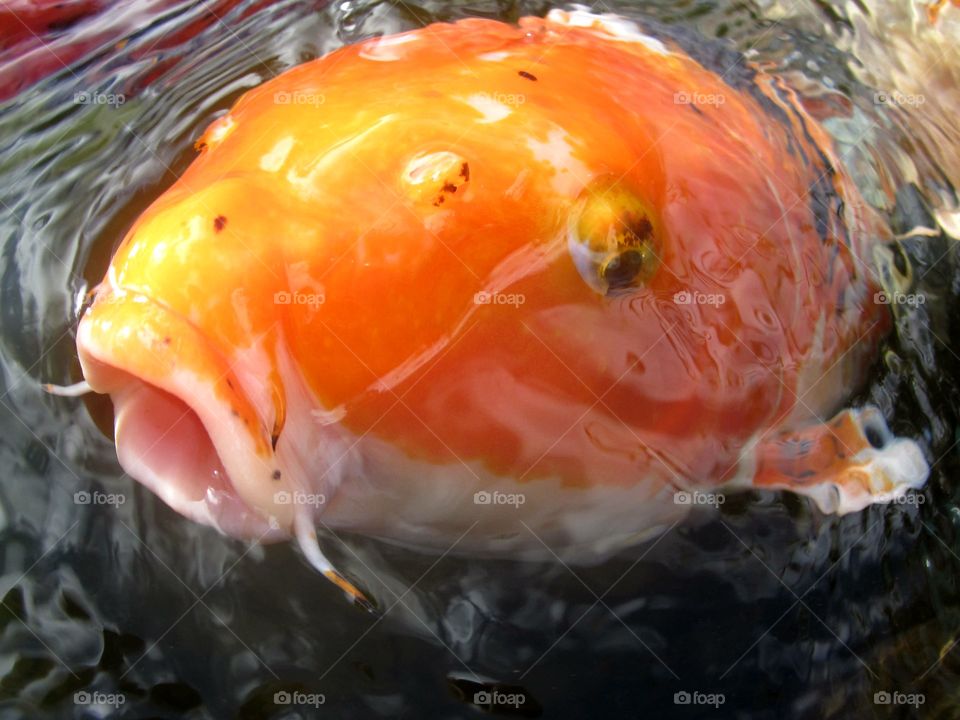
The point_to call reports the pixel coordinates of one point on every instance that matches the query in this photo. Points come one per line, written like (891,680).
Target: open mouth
(173,432)
(163,444)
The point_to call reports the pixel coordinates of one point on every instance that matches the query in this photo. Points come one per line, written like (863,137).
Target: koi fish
(513,287)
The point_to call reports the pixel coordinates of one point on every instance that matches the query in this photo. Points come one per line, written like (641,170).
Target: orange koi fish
(511,286)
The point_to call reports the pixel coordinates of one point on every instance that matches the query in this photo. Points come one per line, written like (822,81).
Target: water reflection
(782,610)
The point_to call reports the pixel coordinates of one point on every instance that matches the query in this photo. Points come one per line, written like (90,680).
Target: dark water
(785,612)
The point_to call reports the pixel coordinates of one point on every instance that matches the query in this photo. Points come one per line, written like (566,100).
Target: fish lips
(182,427)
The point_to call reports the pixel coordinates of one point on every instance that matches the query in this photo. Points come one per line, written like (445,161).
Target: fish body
(522,287)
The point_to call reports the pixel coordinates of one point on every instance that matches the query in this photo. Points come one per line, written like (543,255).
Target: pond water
(114,606)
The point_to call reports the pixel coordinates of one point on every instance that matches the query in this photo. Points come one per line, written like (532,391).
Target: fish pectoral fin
(843,465)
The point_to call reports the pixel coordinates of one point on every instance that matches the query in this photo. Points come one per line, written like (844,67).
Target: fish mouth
(174,432)
(163,443)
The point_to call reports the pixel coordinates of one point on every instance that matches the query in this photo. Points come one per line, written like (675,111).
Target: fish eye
(613,237)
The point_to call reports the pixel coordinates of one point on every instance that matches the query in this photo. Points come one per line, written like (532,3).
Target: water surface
(785,612)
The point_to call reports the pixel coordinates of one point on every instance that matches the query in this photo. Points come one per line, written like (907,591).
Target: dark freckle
(276,475)
(230,383)
(219,223)
(166,341)
(465,171)
(643,229)
(639,230)
(528,76)
(438,202)
(274,439)
(234,412)
(449,187)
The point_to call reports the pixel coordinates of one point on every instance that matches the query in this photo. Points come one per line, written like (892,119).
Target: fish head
(534,251)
